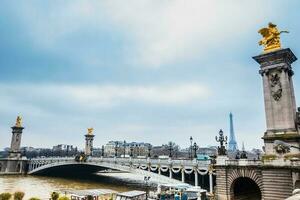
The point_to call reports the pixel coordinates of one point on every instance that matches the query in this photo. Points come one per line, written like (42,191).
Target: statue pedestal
(279,98)
(221,160)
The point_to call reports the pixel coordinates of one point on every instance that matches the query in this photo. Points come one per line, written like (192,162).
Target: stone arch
(249,175)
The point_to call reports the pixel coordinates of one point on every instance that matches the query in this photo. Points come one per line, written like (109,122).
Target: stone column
(182,175)
(210,182)
(15,150)
(279,99)
(196,177)
(89,144)
(159,171)
(170,172)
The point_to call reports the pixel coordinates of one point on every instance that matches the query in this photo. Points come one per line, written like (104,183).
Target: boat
(132,195)
(179,192)
(95,194)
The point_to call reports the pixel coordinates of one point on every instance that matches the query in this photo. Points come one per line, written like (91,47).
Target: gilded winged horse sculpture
(271,37)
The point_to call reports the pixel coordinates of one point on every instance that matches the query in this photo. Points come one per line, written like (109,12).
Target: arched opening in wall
(246,189)
(0,167)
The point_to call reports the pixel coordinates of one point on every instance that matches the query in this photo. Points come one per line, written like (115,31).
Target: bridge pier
(170,172)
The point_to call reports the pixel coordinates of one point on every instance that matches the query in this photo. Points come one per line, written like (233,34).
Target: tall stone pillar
(89,138)
(15,146)
(280,107)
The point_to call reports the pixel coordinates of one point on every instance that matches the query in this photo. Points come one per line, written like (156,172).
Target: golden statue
(271,37)
(90,131)
(19,121)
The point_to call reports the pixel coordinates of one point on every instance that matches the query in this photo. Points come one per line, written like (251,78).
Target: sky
(139,70)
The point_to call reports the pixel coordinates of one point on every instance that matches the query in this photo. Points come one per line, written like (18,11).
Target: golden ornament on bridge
(90,131)
(19,121)
(271,37)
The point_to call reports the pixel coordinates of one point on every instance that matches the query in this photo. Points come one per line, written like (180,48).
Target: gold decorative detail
(271,37)
(211,169)
(90,131)
(19,121)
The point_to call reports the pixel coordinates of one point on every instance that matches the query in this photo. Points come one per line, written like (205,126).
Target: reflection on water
(42,186)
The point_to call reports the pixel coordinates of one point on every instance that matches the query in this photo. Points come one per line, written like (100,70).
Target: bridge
(147,167)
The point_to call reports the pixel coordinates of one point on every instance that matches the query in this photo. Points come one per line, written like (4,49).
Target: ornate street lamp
(124,145)
(131,151)
(222,140)
(191,148)
(195,147)
(170,149)
(146,179)
(116,148)
(149,151)
(102,151)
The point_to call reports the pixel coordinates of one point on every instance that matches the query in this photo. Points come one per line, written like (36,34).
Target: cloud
(103,96)
(156,32)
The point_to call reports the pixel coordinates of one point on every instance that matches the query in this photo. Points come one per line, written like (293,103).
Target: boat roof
(94,192)
(132,193)
(178,186)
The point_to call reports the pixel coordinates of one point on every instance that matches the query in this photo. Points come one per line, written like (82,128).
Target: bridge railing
(243,162)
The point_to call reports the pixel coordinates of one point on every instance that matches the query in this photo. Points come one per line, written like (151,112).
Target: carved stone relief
(276,88)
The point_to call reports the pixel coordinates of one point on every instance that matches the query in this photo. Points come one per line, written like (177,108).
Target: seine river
(42,186)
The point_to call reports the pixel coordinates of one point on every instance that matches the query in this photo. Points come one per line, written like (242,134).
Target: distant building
(232,145)
(138,148)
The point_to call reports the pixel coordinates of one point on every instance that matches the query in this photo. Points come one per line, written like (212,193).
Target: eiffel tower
(232,142)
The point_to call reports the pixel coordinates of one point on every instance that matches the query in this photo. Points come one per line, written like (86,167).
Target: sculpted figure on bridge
(90,131)
(271,37)
(19,121)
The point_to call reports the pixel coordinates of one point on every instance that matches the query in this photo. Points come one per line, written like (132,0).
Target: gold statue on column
(90,131)
(271,37)
(19,121)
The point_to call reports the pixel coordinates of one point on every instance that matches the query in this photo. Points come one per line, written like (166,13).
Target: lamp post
(195,147)
(116,148)
(131,151)
(222,140)
(170,149)
(124,145)
(146,179)
(149,151)
(191,148)
(102,151)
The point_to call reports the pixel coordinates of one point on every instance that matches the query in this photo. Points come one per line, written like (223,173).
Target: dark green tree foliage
(5,196)
(19,195)
(54,195)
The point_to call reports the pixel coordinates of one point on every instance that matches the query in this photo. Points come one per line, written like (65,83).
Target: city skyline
(159,77)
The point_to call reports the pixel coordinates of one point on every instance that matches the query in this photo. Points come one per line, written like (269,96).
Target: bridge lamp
(131,151)
(116,149)
(149,151)
(146,179)
(191,148)
(195,149)
(170,149)
(124,144)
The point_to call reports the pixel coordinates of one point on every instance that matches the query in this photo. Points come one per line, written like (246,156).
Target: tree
(54,195)
(19,195)
(5,196)
(34,198)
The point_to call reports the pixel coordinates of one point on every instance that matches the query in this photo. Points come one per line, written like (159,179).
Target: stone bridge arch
(36,167)
(230,176)
(246,181)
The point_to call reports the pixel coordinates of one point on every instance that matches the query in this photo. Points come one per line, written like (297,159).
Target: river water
(42,186)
